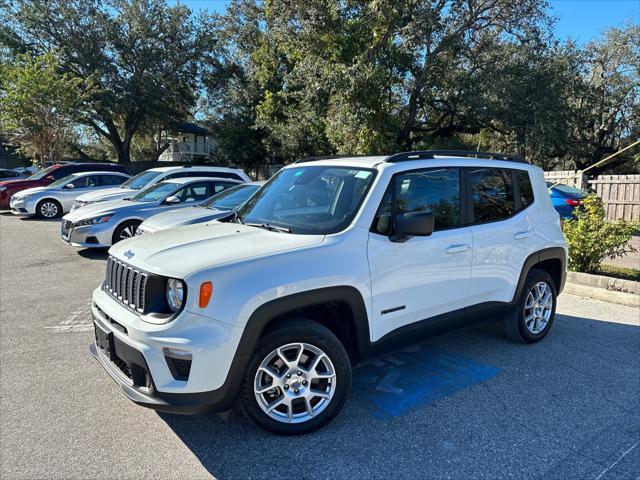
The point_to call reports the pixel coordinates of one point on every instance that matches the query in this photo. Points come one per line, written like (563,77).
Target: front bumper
(136,361)
(20,206)
(87,236)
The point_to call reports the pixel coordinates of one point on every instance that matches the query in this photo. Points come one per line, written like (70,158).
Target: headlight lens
(175,294)
(95,220)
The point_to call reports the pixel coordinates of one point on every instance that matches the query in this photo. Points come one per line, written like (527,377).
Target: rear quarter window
(525,190)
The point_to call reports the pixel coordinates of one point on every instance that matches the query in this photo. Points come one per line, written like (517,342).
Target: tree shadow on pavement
(571,398)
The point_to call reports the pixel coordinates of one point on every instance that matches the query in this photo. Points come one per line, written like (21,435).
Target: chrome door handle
(522,235)
(457,248)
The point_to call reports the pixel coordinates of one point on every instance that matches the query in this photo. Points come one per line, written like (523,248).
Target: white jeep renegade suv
(334,260)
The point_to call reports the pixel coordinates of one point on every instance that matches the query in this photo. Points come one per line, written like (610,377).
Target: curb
(599,287)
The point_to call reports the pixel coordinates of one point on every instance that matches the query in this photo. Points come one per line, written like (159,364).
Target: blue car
(565,199)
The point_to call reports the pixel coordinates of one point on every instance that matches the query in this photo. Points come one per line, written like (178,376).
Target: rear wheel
(48,208)
(298,379)
(535,311)
(125,230)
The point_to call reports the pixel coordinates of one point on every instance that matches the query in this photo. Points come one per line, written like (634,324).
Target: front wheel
(125,230)
(535,310)
(48,208)
(298,380)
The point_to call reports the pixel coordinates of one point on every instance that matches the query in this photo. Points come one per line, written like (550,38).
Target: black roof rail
(323,157)
(430,154)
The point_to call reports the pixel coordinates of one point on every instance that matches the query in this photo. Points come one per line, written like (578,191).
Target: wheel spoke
(299,356)
(324,375)
(307,404)
(530,301)
(316,393)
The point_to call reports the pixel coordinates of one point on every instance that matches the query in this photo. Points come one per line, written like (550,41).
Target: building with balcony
(188,142)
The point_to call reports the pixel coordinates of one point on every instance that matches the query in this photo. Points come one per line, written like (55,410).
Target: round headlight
(175,294)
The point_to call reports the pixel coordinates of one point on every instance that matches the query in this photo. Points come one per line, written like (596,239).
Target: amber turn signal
(206,289)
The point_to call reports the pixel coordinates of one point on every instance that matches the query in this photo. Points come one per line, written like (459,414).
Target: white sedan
(58,197)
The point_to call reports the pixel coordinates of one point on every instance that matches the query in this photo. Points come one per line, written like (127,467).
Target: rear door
(424,276)
(502,231)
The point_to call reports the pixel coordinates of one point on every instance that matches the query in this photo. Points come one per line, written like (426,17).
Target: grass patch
(619,272)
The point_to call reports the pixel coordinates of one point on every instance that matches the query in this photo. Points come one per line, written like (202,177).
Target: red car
(51,174)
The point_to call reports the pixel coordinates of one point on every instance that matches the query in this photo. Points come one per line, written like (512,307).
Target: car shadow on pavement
(94,253)
(406,422)
(35,219)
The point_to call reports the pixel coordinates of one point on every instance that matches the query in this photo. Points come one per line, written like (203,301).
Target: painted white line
(617,461)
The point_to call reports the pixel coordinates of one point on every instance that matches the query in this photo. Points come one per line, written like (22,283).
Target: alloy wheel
(295,383)
(49,210)
(538,307)
(128,232)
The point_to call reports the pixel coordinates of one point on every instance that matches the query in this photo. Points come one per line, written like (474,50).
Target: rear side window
(431,190)
(492,193)
(111,180)
(525,191)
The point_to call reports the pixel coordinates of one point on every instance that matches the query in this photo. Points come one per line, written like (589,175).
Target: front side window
(309,200)
(111,180)
(194,192)
(433,190)
(492,194)
(86,181)
(62,182)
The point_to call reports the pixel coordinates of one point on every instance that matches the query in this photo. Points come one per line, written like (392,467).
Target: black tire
(514,326)
(48,208)
(289,332)
(120,233)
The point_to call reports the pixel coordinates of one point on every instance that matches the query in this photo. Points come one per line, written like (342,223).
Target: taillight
(571,202)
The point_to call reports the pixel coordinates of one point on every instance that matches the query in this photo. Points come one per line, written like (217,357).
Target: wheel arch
(552,260)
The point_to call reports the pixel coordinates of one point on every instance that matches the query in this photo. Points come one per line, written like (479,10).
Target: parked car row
(220,291)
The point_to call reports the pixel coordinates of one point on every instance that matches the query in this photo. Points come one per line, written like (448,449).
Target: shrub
(591,238)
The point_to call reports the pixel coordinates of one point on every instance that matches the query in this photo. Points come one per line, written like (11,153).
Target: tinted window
(524,188)
(492,193)
(193,193)
(110,180)
(87,182)
(433,190)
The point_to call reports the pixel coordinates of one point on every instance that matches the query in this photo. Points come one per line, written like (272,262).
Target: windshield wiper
(266,226)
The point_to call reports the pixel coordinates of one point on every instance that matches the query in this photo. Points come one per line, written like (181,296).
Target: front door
(421,277)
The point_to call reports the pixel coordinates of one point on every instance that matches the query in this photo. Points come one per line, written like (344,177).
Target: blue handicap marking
(403,380)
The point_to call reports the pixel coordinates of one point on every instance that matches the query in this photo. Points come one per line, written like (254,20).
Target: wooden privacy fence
(619,193)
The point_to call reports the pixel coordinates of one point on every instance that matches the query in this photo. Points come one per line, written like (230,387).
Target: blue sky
(581,20)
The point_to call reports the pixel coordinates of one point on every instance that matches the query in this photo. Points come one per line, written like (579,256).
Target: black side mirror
(412,224)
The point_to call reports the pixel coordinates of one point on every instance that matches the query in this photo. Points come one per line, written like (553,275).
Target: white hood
(181,251)
(107,194)
(30,191)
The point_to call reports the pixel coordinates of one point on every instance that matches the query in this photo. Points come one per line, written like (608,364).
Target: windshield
(141,180)
(41,174)
(315,200)
(155,192)
(230,198)
(568,190)
(63,181)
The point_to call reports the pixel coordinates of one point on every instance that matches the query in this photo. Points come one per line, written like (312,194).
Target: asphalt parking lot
(467,405)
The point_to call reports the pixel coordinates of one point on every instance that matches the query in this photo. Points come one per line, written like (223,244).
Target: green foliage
(591,238)
(37,104)
(145,57)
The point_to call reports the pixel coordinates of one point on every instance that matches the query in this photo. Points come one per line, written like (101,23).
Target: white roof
(195,167)
(185,180)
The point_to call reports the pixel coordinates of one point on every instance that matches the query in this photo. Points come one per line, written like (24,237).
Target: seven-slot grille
(126,284)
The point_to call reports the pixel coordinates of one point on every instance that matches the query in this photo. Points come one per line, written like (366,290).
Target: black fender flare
(552,253)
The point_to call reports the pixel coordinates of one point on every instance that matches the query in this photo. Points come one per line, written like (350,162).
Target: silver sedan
(105,223)
(58,197)
(221,205)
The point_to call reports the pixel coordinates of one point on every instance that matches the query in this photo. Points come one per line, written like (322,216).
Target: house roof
(187,127)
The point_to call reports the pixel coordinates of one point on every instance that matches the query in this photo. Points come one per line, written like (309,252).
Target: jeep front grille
(126,284)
